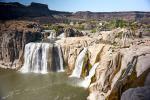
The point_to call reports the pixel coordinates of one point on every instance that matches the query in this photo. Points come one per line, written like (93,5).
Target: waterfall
(79,64)
(87,80)
(52,34)
(40,58)
(62,35)
(61,59)
(29,48)
(57,58)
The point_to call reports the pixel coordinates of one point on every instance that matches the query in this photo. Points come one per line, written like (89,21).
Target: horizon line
(79,10)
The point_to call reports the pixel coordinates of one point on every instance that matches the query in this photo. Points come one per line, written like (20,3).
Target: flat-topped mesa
(15,10)
(38,6)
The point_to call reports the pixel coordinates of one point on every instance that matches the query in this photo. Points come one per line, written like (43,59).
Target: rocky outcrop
(72,46)
(120,67)
(69,32)
(140,93)
(14,36)
(120,70)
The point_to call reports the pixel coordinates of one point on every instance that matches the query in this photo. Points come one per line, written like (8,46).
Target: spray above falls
(42,57)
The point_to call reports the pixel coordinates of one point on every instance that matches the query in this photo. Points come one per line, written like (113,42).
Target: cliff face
(16,10)
(13,37)
(121,66)
(36,10)
(120,70)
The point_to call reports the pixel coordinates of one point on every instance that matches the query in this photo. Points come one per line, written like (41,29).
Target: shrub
(93,30)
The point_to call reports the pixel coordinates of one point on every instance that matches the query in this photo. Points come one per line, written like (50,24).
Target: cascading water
(57,58)
(61,59)
(40,57)
(79,64)
(36,57)
(87,80)
(51,36)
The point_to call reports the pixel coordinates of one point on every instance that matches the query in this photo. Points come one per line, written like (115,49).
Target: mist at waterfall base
(35,86)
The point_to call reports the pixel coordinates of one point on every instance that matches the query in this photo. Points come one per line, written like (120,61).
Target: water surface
(30,86)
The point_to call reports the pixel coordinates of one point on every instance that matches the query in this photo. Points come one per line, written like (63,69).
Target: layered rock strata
(120,67)
(13,37)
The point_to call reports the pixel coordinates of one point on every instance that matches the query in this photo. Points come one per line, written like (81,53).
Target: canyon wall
(14,35)
(135,15)
(120,67)
(15,10)
(41,13)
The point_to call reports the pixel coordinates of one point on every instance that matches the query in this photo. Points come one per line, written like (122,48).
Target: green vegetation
(86,67)
(115,24)
(119,35)
(57,28)
(119,23)
(93,30)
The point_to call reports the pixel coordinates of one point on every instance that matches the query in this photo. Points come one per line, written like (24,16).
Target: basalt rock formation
(14,35)
(120,67)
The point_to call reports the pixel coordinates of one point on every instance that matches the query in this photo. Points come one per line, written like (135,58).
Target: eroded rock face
(14,36)
(123,61)
(120,70)
(71,47)
(120,67)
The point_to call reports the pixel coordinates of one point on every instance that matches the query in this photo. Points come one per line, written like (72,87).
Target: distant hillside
(16,10)
(133,15)
(41,13)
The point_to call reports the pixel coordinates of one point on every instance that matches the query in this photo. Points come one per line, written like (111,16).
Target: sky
(92,5)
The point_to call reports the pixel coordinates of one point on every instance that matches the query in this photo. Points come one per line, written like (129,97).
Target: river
(32,86)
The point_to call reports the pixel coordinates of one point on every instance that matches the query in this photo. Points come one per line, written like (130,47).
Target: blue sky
(92,5)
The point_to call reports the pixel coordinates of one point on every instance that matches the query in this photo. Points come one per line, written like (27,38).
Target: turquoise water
(30,86)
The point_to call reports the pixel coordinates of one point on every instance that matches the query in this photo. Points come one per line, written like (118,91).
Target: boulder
(69,32)
(139,93)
